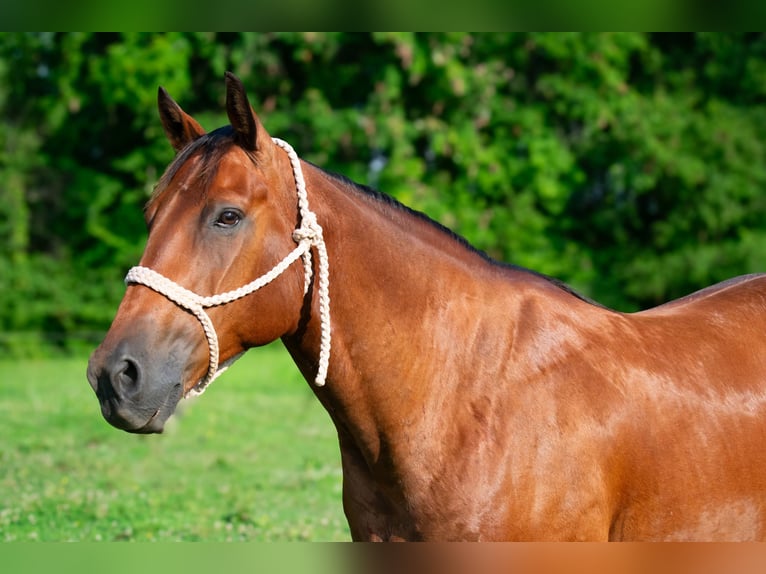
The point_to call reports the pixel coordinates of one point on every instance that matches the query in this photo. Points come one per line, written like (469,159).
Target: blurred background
(631,166)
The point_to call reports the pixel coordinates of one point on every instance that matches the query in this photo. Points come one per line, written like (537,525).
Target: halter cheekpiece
(308,235)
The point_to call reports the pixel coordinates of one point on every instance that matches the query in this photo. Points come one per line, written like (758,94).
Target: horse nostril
(126,376)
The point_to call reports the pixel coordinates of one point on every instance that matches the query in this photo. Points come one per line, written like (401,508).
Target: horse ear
(179,126)
(247,126)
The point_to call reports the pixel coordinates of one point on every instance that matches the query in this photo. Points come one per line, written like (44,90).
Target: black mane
(214,144)
(390,201)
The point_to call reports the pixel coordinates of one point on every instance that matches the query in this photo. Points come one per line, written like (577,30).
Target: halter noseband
(308,235)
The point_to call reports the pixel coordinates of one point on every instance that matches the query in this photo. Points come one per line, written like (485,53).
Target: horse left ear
(250,133)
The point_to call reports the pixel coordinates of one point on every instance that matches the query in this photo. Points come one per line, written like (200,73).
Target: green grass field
(255,458)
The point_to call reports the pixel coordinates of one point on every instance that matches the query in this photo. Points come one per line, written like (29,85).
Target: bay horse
(473,400)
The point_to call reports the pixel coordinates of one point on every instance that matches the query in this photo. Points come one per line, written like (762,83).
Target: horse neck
(393,279)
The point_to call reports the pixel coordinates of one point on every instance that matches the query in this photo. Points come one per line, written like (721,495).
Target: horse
(473,400)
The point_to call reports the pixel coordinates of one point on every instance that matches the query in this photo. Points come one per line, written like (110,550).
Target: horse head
(223,213)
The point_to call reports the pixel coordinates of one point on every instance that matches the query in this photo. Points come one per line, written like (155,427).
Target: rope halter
(308,235)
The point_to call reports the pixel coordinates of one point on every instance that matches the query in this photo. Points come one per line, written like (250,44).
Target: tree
(630,165)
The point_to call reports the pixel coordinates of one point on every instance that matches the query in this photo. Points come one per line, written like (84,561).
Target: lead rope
(308,235)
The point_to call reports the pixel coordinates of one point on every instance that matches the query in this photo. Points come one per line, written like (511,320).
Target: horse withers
(473,400)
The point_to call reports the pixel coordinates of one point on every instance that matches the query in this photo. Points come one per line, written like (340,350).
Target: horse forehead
(235,171)
(231,175)
(235,161)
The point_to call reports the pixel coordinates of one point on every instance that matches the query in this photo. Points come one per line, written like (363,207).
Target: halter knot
(308,235)
(310,230)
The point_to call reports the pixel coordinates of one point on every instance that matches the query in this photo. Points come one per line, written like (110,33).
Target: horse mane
(215,144)
(390,201)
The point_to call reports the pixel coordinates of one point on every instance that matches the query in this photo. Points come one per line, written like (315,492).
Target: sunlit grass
(254,458)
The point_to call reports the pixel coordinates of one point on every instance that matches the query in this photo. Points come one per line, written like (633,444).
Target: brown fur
(473,401)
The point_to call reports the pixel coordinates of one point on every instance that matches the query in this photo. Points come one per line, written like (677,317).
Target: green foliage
(629,165)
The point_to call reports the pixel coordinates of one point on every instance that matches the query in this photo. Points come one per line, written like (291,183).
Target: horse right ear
(180,127)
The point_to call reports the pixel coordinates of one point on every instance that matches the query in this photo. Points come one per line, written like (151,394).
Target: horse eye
(228,218)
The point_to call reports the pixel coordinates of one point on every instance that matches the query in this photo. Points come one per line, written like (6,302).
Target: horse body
(473,401)
(477,401)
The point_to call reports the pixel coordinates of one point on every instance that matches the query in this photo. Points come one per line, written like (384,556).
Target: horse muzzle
(135,394)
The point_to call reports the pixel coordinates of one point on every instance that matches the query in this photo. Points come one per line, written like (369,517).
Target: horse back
(696,398)
(747,289)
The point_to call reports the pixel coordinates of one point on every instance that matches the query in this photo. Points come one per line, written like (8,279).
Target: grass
(255,458)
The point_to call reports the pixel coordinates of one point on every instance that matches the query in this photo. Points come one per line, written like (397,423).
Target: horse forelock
(208,150)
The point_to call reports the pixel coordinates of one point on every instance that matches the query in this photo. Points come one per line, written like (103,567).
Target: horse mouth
(156,423)
(150,426)
(131,417)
